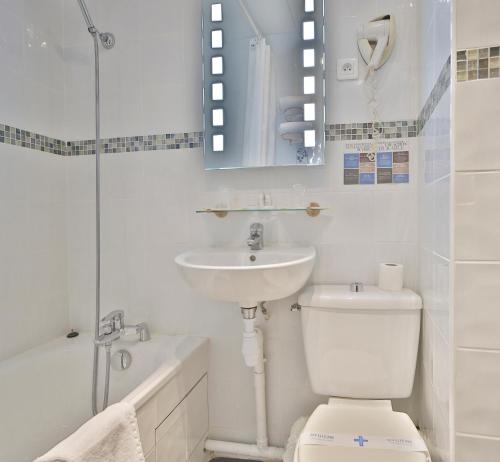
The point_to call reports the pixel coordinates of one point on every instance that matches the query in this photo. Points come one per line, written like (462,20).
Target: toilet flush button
(357,287)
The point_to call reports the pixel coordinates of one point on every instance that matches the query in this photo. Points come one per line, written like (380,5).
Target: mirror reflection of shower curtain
(260,115)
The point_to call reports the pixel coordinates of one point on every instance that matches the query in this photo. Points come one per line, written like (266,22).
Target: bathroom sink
(245,276)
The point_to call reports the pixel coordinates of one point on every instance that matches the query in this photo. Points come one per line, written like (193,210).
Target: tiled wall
(476,234)
(151,86)
(396,82)
(434,228)
(31,94)
(33,276)
(149,198)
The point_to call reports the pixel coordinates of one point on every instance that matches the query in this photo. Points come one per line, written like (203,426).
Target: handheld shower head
(107,40)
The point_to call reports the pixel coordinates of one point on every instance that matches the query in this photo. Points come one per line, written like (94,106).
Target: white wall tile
(33,271)
(476,233)
(477,114)
(477,226)
(473,448)
(442,205)
(11,40)
(434,232)
(395,215)
(434,32)
(476,404)
(477,317)
(31,93)
(477,23)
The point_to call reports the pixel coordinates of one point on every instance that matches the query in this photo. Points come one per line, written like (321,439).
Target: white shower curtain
(260,115)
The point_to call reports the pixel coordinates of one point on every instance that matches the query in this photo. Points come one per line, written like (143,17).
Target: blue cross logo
(361,441)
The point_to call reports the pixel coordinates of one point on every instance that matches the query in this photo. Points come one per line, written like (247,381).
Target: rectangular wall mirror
(263,83)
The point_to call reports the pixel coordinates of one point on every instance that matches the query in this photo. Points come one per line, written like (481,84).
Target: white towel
(289,102)
(111,436)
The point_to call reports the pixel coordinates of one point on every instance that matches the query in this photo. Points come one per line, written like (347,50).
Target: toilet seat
(348,430)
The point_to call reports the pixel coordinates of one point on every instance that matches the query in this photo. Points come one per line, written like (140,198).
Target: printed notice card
(389,163)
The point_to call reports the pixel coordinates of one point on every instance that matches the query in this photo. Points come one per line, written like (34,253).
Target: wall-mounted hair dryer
(376,40)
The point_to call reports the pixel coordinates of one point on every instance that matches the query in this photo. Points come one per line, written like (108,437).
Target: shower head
(107,38)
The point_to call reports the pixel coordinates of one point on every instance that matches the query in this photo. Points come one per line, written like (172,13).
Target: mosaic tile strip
(388,164)
(188,140)
(31,140)
(478,64)
(442,84)
(366,130)
(160,142)
(26,139)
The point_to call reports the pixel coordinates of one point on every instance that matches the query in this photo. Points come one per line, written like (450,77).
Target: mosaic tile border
(167,141)
(478,64)
(188,140)
(31,140)
(366,130)
(442,84)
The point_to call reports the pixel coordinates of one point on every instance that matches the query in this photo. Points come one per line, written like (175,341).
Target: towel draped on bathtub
(111,436)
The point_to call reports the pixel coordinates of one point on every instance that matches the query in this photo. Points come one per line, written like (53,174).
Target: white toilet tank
(360,344)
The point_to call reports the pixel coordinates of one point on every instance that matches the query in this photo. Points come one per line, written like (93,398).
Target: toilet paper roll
(390,276)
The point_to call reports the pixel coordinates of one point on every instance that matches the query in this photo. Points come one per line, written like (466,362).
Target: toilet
(361,350)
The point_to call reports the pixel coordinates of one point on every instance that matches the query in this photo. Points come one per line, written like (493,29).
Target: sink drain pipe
(253,353)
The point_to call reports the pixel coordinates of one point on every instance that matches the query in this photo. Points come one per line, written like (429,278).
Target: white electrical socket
(347,69)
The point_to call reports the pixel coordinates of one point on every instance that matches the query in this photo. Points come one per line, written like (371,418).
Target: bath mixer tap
(111,327)
(256,239)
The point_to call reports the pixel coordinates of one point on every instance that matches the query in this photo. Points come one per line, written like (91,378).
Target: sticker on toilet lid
(363,441)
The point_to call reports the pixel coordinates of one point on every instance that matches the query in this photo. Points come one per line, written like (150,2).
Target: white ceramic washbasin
(247,277)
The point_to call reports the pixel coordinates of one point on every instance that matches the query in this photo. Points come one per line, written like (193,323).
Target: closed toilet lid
(360,435)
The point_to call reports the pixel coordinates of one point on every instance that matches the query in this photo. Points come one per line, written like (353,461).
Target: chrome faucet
(256,239)
(111,327)
(142,330)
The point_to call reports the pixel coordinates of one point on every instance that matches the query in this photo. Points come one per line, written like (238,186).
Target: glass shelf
(313,210)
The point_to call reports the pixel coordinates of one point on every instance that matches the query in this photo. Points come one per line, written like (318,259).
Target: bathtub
(45,395)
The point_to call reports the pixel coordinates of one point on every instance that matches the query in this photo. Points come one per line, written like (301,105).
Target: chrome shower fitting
(107,39)
(105,338)
(142,331)
(111,328)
